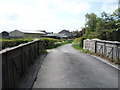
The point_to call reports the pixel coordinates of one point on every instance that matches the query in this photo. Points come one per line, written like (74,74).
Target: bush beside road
(49,43)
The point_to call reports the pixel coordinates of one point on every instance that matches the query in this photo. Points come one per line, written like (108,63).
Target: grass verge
(99,55)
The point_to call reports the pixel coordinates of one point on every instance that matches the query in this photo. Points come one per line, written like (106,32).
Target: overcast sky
(50,15)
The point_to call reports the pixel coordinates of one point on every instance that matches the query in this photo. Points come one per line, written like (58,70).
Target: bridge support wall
(16,61)
(110,49)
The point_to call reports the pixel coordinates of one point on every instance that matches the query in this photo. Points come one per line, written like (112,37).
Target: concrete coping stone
(104,41)
(111,42)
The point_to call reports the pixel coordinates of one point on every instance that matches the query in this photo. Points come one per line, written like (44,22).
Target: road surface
(65,67)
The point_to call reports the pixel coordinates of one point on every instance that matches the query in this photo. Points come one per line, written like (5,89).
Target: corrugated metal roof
(57,35)
(33,31)
(29,31)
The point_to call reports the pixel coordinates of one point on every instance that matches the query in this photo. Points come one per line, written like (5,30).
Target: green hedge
(5,43)
(78,42)
(53,43)
(48,42)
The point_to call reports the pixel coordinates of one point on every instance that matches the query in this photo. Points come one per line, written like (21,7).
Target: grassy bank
(78,43)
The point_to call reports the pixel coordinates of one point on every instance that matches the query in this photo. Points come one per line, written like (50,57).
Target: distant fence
(16,60)
(109,49)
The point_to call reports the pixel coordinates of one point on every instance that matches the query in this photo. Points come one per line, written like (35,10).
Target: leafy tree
(106,27)
(91,20)
(77,34)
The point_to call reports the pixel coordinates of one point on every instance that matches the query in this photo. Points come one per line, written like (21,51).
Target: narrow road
(65,67)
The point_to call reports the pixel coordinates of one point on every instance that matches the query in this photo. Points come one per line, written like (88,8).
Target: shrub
(49,42)
(5,43)
(79,42)
(53,43)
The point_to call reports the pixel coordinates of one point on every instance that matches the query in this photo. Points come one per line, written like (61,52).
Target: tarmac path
(65,67)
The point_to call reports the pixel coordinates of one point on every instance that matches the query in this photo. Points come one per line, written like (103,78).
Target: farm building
(56,36)
(25,34)
(16,34)
(33,34)
(4,35)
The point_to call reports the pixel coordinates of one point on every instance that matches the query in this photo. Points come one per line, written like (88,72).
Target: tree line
(105,27)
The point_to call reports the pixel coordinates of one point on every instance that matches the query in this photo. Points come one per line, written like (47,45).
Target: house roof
(16,31)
